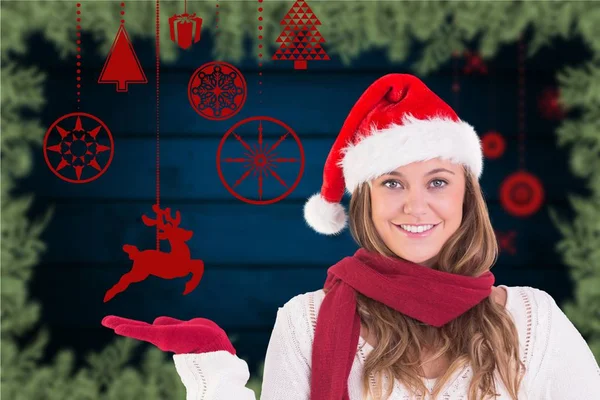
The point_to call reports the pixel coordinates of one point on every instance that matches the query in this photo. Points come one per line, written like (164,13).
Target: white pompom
(324,217)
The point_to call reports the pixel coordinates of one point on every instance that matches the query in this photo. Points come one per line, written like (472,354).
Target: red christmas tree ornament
(300,39)
(185,29)
(474,63)
(261,160)
(175,264)
(521,194)
(549,105)
(493,145)
(78,147)
(122,66)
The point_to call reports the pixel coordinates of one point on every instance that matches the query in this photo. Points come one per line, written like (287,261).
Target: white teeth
(416,229)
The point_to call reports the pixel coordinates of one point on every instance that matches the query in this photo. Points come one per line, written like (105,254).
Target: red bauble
(493,145)
(521,194)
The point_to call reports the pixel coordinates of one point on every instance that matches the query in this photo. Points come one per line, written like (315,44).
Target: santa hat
(397,121)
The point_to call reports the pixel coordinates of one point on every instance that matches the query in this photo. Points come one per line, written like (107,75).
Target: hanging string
(260,46)
(78,56)
(521,103)
(185,6)
(455,82)
(492,102)
(157,115)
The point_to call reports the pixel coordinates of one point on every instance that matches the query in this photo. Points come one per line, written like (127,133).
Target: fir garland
(350,28)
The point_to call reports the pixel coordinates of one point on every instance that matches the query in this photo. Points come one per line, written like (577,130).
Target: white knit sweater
(560,365)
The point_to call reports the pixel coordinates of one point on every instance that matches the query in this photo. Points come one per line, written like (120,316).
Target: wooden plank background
(257,257)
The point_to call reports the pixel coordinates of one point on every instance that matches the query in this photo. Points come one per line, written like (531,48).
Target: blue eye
(439,186)
(391,181)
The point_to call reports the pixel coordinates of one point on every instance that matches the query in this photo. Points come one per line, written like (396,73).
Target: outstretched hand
(198,335)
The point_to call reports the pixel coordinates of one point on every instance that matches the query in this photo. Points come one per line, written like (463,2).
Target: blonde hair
(485,336)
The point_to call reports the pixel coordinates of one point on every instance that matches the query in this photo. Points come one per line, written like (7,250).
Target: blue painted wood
(188,170)
(311,103)
(241,234)
(257,257)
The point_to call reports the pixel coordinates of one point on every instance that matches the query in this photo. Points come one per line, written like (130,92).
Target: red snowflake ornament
(474,64)
(506,241)
(78,147)
(261,160)
(217,90)
(549,105)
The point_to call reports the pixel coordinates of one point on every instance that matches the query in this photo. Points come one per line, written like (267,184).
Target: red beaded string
(78,56)
(521,103)
(157,115)
(260,46)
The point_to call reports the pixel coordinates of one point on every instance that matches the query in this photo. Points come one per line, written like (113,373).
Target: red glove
(198,335)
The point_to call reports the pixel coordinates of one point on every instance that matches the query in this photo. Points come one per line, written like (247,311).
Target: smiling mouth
(422,230)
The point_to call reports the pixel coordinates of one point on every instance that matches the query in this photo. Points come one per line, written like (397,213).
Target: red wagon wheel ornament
(522,194)
(217,90)
(260,160)
(74,152)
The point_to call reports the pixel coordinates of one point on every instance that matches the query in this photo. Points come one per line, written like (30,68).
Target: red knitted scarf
(430,296)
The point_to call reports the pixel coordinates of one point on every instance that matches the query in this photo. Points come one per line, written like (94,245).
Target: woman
(413,313)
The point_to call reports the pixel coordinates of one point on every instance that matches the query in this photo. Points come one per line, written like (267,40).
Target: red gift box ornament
(185,29)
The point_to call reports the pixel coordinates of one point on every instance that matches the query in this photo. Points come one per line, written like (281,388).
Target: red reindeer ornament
(175,264)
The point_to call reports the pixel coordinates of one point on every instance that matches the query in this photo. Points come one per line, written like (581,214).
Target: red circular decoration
(217,90)
(260,159)
(521,194)
(78,148)
(493,145)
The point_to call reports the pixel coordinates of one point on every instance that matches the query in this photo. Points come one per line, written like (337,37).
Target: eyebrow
(433,171)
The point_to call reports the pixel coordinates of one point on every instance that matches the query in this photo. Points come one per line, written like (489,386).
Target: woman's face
(426,193)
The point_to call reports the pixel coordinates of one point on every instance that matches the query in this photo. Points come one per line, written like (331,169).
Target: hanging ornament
(474,64)
(455,81)
(76,154)
(493,145)
(217,90)
(185,28)
(300,39)
(122,66)
(521,193)
(493,142)
(260,55)
(260,160)
(506,241)
(78,147)
(175,264)
(549,105)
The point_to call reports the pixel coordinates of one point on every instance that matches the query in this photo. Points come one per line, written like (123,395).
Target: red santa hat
(397,121)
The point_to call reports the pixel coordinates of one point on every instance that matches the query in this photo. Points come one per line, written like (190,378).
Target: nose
(416,203)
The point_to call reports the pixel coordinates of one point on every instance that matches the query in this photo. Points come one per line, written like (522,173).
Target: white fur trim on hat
(325,217)
(382,151)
